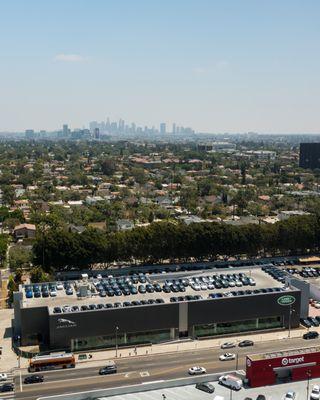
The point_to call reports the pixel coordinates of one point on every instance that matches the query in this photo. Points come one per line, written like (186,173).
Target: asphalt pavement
(138,370)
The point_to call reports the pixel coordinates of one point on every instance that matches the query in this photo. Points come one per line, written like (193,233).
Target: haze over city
(215,66)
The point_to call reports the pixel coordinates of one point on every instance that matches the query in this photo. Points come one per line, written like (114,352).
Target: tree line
(61,249)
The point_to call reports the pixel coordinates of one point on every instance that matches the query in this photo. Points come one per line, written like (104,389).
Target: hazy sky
(218,66)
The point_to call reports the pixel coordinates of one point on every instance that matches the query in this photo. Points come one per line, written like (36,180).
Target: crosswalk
(7,395)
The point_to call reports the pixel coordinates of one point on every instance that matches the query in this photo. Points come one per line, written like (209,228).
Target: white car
(204,286)
(3,377)
(197,371)
(290,396)
(227,357)
(315,392)
(53,293)
(59,286)
(316,304)
(228,345)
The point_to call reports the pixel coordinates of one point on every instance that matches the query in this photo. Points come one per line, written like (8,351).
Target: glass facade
(225,328)
(130,338)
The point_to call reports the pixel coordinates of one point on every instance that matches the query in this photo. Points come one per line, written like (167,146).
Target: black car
(261,397)
(7,387)
(34,379)
(311,335)
(305,322)
(109,369)
(205,387)
(246,343)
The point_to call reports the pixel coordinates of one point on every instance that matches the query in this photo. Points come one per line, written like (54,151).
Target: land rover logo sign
(286,300)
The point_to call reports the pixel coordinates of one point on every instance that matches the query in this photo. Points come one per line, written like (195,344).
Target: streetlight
(116,329)
(308,375)
(237,361)
(291,310)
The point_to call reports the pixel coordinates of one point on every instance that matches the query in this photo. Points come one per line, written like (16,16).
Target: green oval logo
(286,300)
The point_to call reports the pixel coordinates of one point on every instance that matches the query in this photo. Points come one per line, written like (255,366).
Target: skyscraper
(174,128)
(96,133)
(163,128)
(65,130)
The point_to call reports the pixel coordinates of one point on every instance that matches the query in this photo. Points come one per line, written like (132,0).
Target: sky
(217,66)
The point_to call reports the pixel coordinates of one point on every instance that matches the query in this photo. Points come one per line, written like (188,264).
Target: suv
(205,387)
(110,368)
(33,379)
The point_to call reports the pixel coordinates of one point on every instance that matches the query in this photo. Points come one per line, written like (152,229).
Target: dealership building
(37,322)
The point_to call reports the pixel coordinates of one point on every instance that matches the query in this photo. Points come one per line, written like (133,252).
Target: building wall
(61,329)
(309,155)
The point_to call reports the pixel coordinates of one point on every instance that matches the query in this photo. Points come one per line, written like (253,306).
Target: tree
(108,167)
(37,275)
(20,257)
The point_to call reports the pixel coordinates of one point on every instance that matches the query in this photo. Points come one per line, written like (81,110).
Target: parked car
(290,395)
(231,382)
(3,377)
(7,387)
(205,387)
(33,379)
(246,343)
(197,370)
(261,397)
(315,392)
(305,322)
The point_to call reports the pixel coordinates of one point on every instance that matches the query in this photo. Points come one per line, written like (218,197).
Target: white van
(231,382)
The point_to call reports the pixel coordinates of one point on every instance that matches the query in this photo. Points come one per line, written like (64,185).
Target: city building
(163,128)
(309,155)
(291,365)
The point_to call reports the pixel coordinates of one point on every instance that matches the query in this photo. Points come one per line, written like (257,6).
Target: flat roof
(262,279)
(285,353)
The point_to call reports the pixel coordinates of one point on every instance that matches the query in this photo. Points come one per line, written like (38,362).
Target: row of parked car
(47,289)
(100,306)
(310,321)
(276,273)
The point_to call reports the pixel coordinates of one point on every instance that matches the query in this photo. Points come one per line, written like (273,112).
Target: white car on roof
(290,395)
(3,377)
(315,392)
(227,357)
(197,370)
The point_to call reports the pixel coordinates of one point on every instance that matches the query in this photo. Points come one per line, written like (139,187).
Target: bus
(51,361)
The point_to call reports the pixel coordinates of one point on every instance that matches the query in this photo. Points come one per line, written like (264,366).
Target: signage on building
(292,361)
(286,300)
(65,323)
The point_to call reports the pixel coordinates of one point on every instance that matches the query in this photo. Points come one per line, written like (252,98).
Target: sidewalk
(99,357)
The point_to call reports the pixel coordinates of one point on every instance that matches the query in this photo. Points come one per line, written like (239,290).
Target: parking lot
(276,392)
(144,289)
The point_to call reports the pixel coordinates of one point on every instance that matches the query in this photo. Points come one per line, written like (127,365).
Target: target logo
(285,361)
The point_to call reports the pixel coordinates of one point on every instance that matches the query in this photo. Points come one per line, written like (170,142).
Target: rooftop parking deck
(163,288)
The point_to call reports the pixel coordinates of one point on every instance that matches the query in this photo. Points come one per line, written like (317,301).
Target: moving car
(197,370)
(246,343)
(231,381)
(228,345)
(311,335)
(227,357)
(315,392)
(110,368)
(205,387)
(33,379)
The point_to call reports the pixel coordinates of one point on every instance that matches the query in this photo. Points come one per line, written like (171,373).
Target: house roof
(25,226)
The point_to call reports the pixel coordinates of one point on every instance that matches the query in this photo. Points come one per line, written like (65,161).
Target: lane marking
(143,374)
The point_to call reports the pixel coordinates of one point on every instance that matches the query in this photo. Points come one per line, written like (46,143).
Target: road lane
(157,367)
